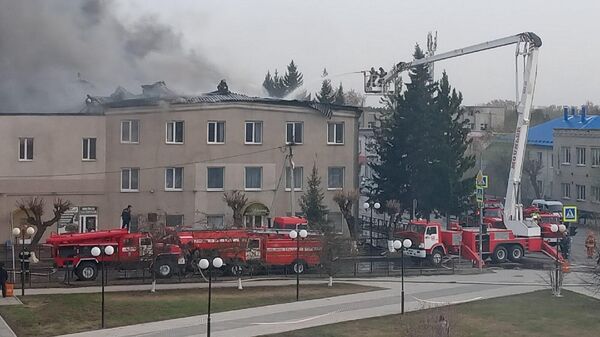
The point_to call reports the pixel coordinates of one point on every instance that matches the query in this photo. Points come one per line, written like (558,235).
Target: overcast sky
(247,38)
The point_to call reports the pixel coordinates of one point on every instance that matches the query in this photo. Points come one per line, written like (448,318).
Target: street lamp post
(554,229)
(102,253)
(366,205)
(402,245)
(204,264)
(298,267)
(22,232)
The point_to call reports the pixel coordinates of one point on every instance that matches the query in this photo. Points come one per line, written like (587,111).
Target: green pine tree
(340,97)
(293,78)
(274,85)
(327,94)
(311,202)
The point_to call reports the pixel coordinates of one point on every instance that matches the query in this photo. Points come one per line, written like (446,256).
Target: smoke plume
(52,53)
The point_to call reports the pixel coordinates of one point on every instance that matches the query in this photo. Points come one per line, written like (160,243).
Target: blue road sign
(570,214)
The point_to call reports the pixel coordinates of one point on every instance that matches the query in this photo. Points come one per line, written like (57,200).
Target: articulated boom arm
(528,45)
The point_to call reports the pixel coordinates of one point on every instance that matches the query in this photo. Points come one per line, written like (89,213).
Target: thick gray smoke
(52,53)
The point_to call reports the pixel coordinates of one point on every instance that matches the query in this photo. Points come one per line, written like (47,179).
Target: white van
(548,205)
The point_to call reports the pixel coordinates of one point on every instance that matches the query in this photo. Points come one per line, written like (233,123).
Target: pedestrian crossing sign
(570,214)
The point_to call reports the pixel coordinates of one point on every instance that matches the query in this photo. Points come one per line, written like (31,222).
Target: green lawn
(529,315)
(50,315)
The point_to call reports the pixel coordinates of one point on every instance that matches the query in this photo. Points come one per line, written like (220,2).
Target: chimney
(583,110)
(566,113)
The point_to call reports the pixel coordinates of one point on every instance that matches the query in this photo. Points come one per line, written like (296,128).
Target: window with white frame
(174,220)
(254,132)
(335,178)
(293,133)
(335,133)
(175,132)
(216,133)
(130,179)
(25,149)
(566,155)
(174,179)
(215,178)
(595,156)
(580,192)
(595,193)
(566,190)
(89,149)
(253,179)
(215,221)
(298,174)
(130,131)
(580,152)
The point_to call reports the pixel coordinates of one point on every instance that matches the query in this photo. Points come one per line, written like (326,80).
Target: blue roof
(542,134)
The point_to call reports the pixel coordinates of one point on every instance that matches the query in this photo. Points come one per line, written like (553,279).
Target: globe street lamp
(102,253)
(204,264)
(401,246)
(554,228)
(29,231)
(366,206)
(298,267)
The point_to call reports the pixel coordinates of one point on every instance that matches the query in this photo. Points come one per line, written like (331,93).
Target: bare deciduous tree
(236,200)
(345,201)
(34,211)
(533,168)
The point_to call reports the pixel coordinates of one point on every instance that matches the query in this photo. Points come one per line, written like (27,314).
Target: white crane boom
(382,82)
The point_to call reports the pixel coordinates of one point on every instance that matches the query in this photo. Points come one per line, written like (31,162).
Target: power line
(145,168)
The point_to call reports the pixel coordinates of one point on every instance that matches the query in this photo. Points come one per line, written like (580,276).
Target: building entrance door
(89,223)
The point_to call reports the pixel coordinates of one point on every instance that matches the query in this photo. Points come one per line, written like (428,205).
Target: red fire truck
(241,248)
(430,241)
(132,250)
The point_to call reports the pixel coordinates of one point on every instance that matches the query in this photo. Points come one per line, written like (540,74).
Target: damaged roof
(155,94)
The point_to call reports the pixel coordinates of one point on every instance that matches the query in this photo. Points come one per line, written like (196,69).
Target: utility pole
(292,182)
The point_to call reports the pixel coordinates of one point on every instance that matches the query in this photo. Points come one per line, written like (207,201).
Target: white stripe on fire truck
(292,249)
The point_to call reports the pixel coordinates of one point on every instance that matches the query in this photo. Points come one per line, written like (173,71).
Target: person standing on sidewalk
(590,244)
(3,278)
(126,217)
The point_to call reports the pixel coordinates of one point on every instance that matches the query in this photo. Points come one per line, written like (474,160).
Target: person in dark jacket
(126,217)
(3,278)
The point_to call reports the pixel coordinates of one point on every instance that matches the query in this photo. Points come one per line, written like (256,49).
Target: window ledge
(335,188)
(582,200)
(339,144)
(595,166)
(215,143)
(174,143)
(173,189)
(566,198)
(247,143)
(288,143)
(25,160)
(88,160)
(295,189)
(581,165)
(130,191)
(123,142)
(253,189)
(215,190)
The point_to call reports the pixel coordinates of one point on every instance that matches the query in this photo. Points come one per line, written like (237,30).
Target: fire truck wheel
(500,254)
(87,271)
(164,269)
(436,257)
(515,253)
(298,267)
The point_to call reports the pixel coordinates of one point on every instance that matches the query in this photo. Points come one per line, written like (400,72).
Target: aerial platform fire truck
(131,251)
(519,234)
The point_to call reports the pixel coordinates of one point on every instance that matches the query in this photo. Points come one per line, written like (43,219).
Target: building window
(580,192)
(540,186)
(174,220)
(215,221)
(253,178)
(337,221)
(175,132)
(371,125)
(216,132)
(254,132)
(566,155)
(130,131)
(483,126)
(595,156)
(539,157)
(130,179)
(174,179)
(335,133)
(580,152)
(552,160)
(566,190)
(89,149)
(215,178)
(297,178)
(294,132)
(596,193)
(25,149)
(335,178)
